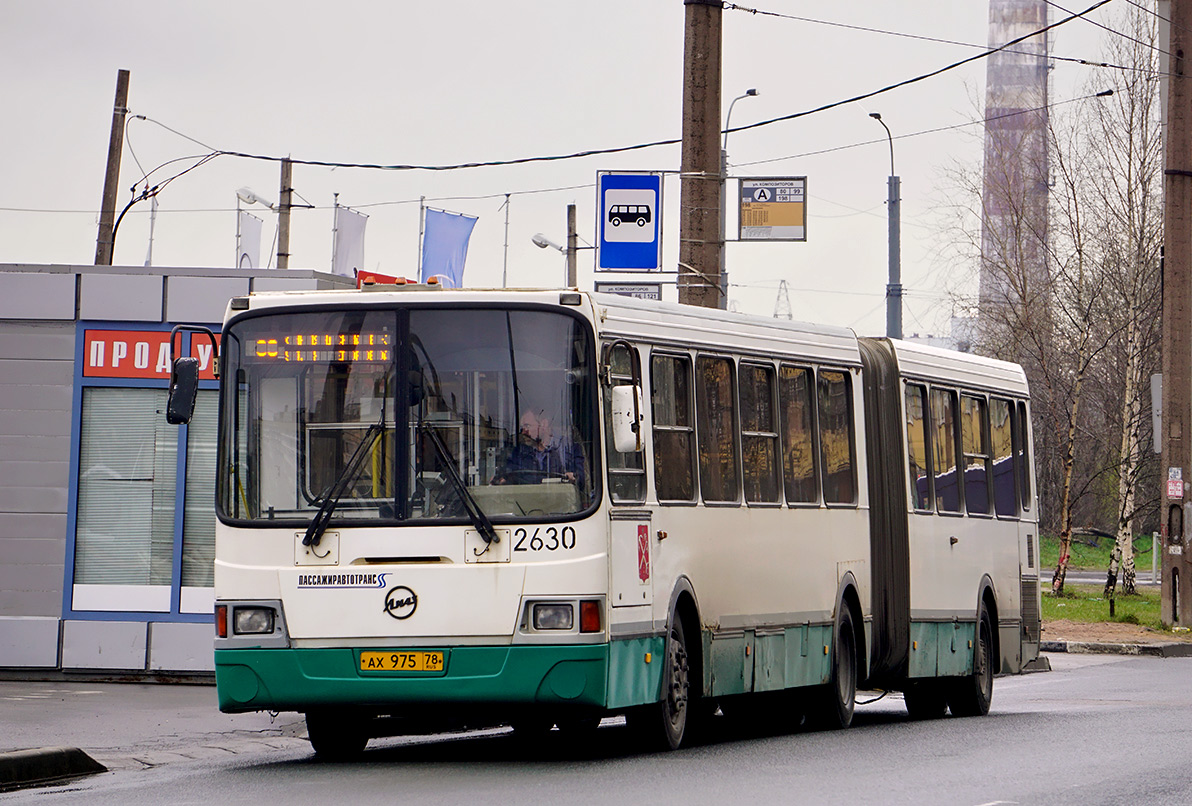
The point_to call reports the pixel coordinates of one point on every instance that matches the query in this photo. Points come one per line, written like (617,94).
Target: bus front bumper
(302,679)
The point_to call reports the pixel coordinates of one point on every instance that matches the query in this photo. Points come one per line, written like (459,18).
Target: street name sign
(635,290)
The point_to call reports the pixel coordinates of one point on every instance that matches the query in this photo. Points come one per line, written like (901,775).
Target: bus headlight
(252,620)
(553,617)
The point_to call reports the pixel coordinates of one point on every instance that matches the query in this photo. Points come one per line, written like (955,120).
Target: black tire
(664,725)
(532,727)
(336,736)
(833,707)
(972,695)
(926,700)
(641,222)
(579,728)
(616,222)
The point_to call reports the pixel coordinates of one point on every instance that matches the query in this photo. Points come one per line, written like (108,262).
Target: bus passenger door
(1028,535)
(630,541)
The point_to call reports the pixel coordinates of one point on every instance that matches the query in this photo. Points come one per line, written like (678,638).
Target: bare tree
(1072,294)
(1128,154)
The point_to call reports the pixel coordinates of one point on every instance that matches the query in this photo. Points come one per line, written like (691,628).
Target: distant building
(960,339)
(107,523)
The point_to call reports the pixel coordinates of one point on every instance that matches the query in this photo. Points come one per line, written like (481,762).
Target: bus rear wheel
(336,736)
(972,695)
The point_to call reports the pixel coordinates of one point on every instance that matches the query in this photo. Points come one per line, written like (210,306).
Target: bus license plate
(417,661)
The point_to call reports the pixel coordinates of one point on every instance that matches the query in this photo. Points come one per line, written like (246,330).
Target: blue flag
(445,246)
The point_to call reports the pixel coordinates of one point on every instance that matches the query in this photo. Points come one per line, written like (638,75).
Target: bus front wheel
(336,736)
(665,723)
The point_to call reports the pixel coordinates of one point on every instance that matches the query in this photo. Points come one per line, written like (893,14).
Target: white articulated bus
(545,507)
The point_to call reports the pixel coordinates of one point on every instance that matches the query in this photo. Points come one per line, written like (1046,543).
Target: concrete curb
(43,765)
(1168,649)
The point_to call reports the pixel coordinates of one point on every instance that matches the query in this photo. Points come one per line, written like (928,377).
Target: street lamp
(722,301)
(894,284)
(249,196)
(570,279)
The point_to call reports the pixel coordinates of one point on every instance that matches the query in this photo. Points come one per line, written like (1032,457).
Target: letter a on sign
(643,552)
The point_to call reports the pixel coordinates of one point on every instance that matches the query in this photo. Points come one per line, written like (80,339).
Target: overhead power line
(655,143)
(917,37)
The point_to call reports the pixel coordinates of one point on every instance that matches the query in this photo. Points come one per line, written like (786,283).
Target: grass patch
(1092,552)
(1085,603)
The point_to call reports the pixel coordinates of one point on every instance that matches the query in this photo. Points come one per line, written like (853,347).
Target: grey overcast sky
(450,81)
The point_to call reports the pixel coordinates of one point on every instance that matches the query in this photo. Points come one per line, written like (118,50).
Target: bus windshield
(408,414)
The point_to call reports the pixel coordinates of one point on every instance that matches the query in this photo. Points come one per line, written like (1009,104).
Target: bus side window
(715,407)
(626,471)
(796,407)
(836,437)
(759,434)
(1023,456)
(674,428)
(918,471)
(1001,438)
(943,445)
(976,454)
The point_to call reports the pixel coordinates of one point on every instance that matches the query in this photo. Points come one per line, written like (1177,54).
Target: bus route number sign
(773,209)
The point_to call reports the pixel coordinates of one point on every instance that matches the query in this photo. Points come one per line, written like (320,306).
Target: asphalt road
(1087,577)
(1096,729)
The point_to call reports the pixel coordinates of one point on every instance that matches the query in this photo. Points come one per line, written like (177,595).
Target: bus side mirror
(184,389)
(627,418)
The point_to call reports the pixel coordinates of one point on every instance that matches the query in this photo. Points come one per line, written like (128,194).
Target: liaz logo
(401,602)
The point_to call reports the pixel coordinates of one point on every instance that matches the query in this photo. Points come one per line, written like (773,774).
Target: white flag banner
(248,241)
(347,250)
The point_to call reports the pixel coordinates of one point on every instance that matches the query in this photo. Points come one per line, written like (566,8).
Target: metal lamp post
(894,285)
(723,299)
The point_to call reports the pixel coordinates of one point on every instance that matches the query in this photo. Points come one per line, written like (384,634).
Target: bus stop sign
(629,221)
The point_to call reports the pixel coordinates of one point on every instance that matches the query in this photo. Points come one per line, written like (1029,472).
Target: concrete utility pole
(285,203)
(572,244)
(1176,445)
(700,202)
(107,210)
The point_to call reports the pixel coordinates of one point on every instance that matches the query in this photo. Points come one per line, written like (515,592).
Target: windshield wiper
(483,525)
(318,524)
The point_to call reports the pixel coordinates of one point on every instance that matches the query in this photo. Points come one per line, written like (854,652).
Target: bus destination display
(316,348)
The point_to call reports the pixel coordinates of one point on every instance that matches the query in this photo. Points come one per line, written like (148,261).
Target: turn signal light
(589,616)
(221,621)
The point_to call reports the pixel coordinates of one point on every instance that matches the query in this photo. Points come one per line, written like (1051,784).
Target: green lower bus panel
(769,662)
(941,649)
(635,671)
(732,669)
(955,649)
(924,649)
(807,663)
(298,679)
(747,662)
